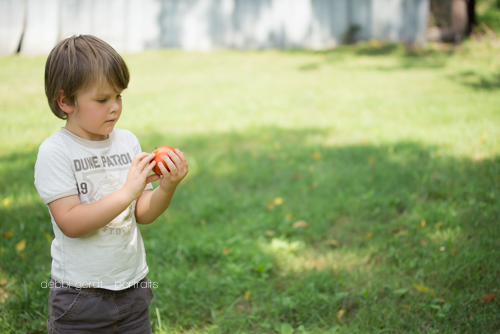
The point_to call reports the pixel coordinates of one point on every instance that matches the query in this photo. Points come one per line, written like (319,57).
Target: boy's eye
(102,101)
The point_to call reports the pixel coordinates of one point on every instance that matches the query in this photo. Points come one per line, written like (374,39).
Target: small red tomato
(159,154)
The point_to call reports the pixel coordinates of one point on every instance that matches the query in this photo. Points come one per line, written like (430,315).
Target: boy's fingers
(138,158)
(152,178)
(145,160)
(163,170)
(150,167)
(181,156)
(175,158)
(170,164)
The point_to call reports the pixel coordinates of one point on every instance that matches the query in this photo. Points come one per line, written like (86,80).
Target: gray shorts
(92,310)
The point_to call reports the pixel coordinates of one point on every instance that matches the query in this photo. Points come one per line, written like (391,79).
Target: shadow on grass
(478,81)
(424,58)
(272,227)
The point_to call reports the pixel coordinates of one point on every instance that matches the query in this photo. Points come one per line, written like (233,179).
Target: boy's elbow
(142,221)
(69,229)
(68,232)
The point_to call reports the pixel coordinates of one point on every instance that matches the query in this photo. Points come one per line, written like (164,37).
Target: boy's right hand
(138,175)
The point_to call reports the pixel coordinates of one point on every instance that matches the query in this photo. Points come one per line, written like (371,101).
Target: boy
(96,183)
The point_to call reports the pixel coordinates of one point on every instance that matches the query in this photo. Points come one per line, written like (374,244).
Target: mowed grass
(346,191)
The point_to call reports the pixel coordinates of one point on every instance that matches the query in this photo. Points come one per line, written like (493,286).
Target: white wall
(134,25)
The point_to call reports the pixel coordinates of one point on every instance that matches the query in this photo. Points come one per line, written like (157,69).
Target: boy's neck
(84,134)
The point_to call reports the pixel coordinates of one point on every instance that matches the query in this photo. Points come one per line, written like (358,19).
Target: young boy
(96,183)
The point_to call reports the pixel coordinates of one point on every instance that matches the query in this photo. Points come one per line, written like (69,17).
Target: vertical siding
(12,19)
(42,26)
(133,25)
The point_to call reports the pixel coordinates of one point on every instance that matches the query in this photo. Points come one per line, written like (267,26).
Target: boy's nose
(115,107)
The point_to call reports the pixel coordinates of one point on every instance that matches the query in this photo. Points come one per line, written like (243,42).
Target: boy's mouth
(111,120)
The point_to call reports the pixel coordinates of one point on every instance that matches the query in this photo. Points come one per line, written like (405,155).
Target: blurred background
(344,160)
(35,26)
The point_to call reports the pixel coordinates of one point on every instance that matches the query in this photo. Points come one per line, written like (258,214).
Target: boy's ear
(63,103)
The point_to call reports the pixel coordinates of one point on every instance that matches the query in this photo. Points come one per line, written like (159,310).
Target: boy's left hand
(178,170)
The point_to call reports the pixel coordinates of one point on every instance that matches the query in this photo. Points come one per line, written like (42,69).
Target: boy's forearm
(83,219)
(152,204)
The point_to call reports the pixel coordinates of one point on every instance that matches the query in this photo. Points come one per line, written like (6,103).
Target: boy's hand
(138,174)
(178,170)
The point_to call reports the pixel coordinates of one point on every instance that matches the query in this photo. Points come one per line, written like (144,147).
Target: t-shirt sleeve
(137,150)
(54,177)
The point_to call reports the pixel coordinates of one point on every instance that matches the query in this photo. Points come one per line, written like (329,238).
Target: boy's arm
(77,220)
(153,203)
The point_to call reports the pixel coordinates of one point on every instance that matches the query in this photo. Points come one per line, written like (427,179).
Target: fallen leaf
(340,314)
(270,233)
(21,245)
(407,307)
(439,224)
(332,243)
(300,223)
(226,250)
(423,223)
(442,248)
(371,159)
(203,222)
(423,289)
(247,295)
(314,185)
(2,250)
(369,234)
(8,234)
(400,233)
(316,155)
(489,297)
(483,138)
(6,201)
(48,236)
(297,176)
(3,282)
(288,216)
(422,242)
(278,201)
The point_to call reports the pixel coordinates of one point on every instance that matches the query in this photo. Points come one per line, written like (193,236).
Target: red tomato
(159,154)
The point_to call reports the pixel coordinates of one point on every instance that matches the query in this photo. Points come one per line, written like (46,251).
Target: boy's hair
(78,62)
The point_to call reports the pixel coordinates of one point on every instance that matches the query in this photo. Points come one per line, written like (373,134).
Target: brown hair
(78,62)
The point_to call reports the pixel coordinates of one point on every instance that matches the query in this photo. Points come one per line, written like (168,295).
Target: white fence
(35,26)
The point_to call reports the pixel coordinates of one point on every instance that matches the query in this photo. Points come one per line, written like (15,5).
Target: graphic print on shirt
(98,184)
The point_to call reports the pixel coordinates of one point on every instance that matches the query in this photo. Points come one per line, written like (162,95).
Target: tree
(454,19)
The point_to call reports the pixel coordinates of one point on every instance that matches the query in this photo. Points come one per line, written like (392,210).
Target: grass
(345,191)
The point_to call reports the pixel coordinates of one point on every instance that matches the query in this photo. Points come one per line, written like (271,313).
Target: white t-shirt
(113,257)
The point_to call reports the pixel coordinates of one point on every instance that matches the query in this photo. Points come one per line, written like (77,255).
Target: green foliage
(488,12)
(360,179)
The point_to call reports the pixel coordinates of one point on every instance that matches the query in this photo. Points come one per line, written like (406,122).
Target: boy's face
(96,112)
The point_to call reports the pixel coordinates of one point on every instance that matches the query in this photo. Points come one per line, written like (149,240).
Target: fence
(35,26)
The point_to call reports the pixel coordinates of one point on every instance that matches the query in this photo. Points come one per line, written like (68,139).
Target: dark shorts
(92,310)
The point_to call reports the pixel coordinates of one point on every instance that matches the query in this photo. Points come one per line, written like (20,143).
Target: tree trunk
(454,19)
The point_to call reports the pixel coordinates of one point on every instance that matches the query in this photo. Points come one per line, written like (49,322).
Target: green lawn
(346,191)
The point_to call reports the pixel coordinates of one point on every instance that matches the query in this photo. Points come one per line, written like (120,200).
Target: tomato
(159,154)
